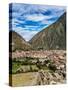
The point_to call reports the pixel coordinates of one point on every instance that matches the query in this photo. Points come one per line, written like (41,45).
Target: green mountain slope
(52,37)
(17,42)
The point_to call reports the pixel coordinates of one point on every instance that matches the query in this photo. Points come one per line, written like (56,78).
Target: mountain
(52,37)
(16,42)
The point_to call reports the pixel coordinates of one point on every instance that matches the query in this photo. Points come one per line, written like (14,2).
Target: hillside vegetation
(17,42)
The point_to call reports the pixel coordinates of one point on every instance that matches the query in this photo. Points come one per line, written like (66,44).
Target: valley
(42,59)
(38,67)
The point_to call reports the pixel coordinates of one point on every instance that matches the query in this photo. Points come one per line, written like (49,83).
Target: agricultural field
(23,79)
(34,70)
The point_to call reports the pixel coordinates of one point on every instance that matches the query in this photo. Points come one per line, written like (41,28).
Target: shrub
(52,67)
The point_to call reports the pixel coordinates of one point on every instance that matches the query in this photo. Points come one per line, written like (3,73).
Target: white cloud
(35,7)
(26,34)
(36,17)
(35,12)
(29,9)
(16,21)
(29,12)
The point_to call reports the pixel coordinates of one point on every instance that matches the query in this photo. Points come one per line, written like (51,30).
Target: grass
(27,68)
(15,66)
(44,68)
(25,64)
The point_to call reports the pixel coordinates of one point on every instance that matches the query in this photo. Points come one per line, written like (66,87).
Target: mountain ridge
(17,42)
(51,37)
(58,28)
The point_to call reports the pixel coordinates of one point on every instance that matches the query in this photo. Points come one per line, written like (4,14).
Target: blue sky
(29,19)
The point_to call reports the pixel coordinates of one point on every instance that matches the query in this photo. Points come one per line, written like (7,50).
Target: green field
(25,70)
(22,65)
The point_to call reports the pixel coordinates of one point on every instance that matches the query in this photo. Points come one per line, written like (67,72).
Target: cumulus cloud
(29,19)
